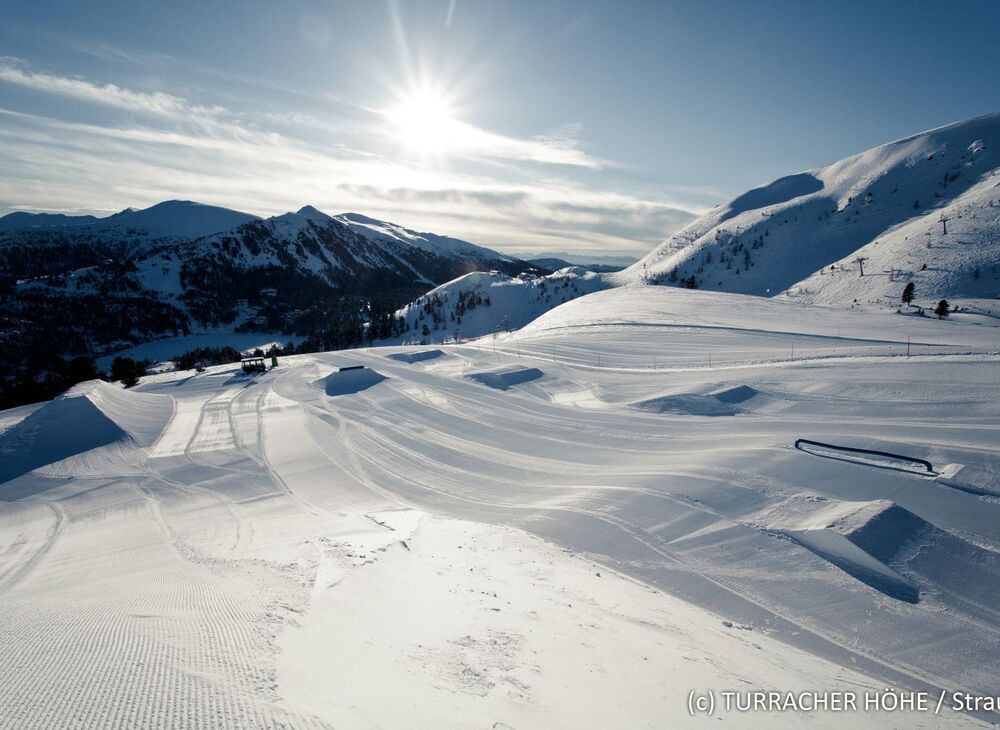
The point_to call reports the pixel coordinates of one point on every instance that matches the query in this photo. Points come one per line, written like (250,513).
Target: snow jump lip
(877,459)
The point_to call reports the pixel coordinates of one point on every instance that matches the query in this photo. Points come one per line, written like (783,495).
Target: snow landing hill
(925,209)
(101,285)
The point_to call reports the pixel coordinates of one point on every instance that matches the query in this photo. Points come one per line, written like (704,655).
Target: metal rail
(890,455)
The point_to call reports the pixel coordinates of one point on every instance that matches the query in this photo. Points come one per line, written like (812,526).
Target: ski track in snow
(206,587)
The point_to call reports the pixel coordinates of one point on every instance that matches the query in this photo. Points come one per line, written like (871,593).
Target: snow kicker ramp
(723,403)
(349,380)
(895,551)
(86,417)
(506,378)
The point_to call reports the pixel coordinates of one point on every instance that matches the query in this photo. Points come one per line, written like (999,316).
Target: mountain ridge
(139,276)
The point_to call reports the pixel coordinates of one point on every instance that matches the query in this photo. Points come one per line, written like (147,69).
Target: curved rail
(899,457)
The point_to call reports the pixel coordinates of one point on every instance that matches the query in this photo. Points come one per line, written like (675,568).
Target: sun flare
(424,122)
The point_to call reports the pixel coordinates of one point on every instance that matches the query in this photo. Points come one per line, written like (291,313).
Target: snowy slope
(666,308)
(962,264)
(385,232)
(885,204)
(510,534)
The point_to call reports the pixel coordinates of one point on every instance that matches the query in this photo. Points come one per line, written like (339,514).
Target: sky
(598,127)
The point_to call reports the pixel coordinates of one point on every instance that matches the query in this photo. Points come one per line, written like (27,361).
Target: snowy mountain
(169,220)
(175,219)
(924,209)
(348,251)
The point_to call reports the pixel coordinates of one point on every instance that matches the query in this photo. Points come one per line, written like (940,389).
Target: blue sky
(520,125)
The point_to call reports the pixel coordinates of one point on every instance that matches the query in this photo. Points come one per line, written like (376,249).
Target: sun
(424,122)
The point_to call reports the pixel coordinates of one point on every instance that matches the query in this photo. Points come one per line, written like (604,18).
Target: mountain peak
(180,219)
(313,213)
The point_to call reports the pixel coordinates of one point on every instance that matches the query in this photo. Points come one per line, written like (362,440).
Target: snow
(499,534)
(665,327)
(418,356)
(161,274)
(505,629)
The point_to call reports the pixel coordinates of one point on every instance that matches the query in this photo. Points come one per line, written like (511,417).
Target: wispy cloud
(159,62)
(157,103)
(474,142)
